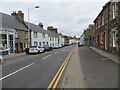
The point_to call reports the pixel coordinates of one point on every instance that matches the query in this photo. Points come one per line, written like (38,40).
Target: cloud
(71,18)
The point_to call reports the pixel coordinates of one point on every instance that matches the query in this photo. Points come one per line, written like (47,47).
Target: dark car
(47,48)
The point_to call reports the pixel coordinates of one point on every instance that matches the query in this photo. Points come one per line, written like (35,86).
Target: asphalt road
(99,71)
(33,71)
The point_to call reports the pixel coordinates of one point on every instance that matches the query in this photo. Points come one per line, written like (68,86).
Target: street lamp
(29,25)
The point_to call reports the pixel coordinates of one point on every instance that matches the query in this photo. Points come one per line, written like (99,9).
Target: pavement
(88,69)
(13,55)
(110,56)
(33,71)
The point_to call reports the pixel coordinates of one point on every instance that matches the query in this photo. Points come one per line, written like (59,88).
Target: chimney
(19,16)
(14,13)
(51,28)
(41,25)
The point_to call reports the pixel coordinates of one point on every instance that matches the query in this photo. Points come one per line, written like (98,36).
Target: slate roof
(7,21)
(37,28)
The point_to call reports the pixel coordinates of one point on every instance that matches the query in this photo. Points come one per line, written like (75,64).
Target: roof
(104,7)
(8,21)
(37,28)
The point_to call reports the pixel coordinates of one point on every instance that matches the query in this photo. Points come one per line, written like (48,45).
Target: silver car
(35,49)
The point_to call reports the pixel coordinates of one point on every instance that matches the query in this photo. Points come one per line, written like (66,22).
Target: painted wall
(39,39)
(53,41)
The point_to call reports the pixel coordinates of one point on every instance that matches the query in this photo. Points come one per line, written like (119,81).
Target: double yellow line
(58,75)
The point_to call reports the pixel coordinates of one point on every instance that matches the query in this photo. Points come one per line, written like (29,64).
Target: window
(47,43)
(113,10)
(24,45)
(114,38)
(35,44)
(43,43)
(35,34)
(26,34)
(16,34)
(43,35)
(39,44)
(102,20)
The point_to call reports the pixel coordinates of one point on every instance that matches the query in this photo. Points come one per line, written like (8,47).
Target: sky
(71,17)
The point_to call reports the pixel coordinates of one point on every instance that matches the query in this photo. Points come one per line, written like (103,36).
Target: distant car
(47,48)
(1,59)
(59,45)
(35,49)
(56,47)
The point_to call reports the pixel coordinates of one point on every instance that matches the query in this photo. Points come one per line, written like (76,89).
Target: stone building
(21,34)
(89,35)
(66,40)
(101,29)
(114,29)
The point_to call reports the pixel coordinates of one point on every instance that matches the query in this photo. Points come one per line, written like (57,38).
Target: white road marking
(16,71)
(56,52)
(46,57)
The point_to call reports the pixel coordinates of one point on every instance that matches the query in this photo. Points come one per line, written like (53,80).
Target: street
(33,71)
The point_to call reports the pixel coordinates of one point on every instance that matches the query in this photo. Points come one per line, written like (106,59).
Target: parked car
(59,45)
(35,49)
(47,48)
(1,59)
(56,47)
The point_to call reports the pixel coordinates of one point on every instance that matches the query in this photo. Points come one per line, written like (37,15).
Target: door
(21,47)
(16,48)
(98,40)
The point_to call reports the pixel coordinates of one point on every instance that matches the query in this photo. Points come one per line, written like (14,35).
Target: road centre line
(46,56)
(55,80)
(16,71)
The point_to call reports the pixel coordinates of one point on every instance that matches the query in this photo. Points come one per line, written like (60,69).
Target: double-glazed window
(35,34)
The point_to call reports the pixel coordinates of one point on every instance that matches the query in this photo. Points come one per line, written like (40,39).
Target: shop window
(4,41)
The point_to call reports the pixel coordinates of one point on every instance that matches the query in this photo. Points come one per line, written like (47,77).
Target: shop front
(7,41)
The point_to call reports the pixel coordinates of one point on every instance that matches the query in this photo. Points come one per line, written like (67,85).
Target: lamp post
(29,40)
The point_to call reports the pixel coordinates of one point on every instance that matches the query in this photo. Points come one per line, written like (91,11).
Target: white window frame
(43,35)
(113,38)
(40,44)
(16,34)
(113,10)
(35,43)
(26,34)
(35,34)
